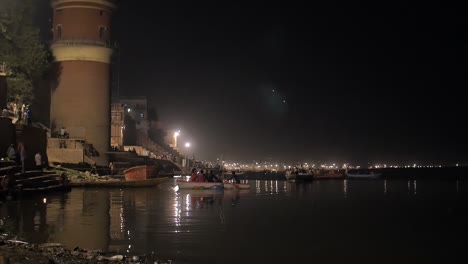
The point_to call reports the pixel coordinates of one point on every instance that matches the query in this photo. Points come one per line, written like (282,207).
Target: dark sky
(362,82)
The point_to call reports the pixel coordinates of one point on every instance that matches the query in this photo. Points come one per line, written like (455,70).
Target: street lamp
(176,134)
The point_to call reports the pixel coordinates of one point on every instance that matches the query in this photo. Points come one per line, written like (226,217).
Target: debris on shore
(16,251)
(75,176)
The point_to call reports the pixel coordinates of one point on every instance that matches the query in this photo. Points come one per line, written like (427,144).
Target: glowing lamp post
(176,134)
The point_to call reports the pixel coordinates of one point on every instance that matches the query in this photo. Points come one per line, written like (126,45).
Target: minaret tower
(81,47)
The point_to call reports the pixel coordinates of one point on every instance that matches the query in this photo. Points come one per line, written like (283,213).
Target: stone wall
(63,155)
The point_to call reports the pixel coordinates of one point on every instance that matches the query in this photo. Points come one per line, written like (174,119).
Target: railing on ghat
(82,41)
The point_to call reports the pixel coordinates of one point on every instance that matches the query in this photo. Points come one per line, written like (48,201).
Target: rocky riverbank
(16,252)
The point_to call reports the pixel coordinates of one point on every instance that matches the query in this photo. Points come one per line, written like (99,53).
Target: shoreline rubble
(14,251)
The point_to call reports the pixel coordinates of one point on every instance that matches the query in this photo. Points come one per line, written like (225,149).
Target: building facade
(81,47)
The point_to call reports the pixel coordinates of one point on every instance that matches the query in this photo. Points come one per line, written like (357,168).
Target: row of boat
(211,185)
(304,176)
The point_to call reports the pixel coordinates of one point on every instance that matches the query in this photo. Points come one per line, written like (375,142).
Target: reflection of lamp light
(176,134)
(187,145)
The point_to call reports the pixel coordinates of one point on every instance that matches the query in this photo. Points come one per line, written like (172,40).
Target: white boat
(363,175)
(301,176)
(200,185)
(237,186)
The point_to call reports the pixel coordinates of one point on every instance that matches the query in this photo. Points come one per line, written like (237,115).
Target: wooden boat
(237,186)
(329,175)
(122,184)
(139,173)
(199,185)
(363,175)
(301,176)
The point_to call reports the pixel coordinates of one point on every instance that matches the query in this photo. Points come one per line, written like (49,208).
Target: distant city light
(187,145)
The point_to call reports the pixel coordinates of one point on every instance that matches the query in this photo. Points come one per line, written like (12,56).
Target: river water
(334,221)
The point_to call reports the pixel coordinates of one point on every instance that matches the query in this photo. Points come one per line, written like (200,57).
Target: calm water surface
(343,221)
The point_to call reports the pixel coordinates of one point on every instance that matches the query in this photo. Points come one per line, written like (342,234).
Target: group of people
(210,177)
(21,113)
(203,177)
(20,155)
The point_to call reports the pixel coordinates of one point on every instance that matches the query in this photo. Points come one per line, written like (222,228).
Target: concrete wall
(62,155)
(65,143)
(81,103)
(82,22)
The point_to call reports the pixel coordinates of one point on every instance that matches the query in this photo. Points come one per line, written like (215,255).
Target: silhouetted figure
(213,178)
(28,116)
(234,177)
(38,160)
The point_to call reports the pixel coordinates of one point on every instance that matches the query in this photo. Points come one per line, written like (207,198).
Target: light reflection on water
(274,221)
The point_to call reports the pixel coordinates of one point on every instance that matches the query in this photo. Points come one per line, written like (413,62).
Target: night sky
(290,80)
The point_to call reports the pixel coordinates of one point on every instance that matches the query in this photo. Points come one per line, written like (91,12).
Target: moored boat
(143,172)
(298,176)
(199,185)
(364,174)
(329,175)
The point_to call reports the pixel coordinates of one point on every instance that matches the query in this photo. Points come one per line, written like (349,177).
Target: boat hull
(299,177)
(364,176)
(329,176)
(200,185)
(236,186)
(139,173)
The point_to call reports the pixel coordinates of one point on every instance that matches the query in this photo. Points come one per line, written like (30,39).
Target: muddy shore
(15,252)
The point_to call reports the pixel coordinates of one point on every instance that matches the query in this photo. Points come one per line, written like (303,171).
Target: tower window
(102,32)
(59,32)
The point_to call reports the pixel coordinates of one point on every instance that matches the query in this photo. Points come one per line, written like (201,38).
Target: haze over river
(333,221)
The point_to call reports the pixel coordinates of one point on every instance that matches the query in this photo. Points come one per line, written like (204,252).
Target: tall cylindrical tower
(81,100)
